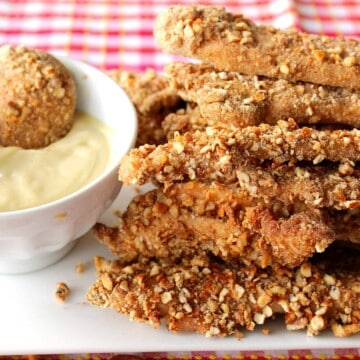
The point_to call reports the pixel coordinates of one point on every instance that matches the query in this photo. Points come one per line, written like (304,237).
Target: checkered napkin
(118,33)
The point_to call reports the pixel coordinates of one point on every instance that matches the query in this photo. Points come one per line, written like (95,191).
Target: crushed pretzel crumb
(80,267)
(62,292)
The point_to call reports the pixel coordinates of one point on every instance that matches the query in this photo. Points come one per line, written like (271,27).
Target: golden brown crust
(326,186)
(232,43)
(184,120)
(278,143)
(218,299)
(346,225)
(226,155)
(193,217)
(38,98)
(239,100)
(153,99)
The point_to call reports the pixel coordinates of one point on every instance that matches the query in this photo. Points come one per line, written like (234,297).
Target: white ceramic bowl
(34,238)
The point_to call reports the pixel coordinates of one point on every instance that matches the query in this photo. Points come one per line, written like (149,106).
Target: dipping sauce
(32,177)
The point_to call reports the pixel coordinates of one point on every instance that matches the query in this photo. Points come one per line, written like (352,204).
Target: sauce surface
(31,177)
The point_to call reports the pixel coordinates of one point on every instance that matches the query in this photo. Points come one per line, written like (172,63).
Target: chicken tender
(230,42)
(267,161)
(193,217)
(203,295)
(231,98)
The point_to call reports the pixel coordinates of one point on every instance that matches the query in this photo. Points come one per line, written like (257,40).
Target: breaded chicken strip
(192,217)
(235,99)
(224,155)
(279,143)
(231,42)
(219,299)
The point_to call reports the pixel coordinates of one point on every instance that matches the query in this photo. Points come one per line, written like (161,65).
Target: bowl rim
(107,172)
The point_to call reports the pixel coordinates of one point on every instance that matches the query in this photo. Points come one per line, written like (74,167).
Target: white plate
(33,322)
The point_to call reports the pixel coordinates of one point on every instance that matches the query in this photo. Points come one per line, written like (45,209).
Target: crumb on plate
(80,267)
(62,292)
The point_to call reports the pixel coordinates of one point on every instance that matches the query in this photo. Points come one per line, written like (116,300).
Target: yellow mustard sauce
(33,177)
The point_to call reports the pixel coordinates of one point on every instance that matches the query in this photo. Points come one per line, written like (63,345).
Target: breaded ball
(37,98)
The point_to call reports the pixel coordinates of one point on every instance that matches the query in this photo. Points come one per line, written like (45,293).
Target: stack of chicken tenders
(254,149)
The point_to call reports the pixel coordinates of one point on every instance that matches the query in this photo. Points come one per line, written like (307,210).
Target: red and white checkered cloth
(118,33)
